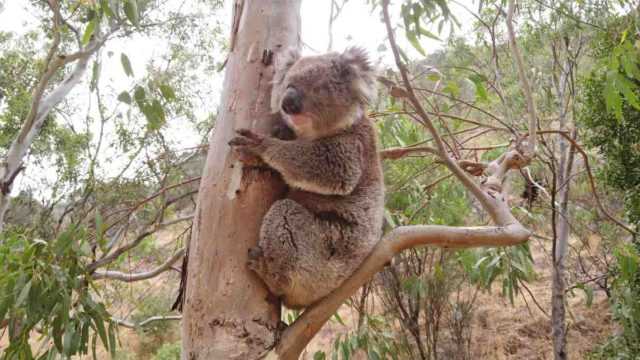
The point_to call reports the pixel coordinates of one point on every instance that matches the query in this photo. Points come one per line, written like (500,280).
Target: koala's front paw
(248,147)
(246,137)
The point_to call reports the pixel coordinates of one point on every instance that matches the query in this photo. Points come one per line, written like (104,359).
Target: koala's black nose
(292,101)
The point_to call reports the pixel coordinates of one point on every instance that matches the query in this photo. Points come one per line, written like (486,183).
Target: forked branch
(297,336)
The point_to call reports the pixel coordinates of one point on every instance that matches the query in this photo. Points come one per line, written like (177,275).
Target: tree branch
(132,325)
(526,88)
(592,182)
(41,105)
(131,277)
(440,146)
(399,152)
(297,336)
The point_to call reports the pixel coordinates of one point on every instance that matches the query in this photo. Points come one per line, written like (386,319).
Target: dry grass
(520,331)
(500,330)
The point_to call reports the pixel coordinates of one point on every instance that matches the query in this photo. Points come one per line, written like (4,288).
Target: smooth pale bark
(11,163)
(226,314)
(563,173)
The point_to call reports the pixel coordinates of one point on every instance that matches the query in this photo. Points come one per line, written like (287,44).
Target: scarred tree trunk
(226,311)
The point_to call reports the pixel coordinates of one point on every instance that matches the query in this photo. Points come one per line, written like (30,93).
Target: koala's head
(321,95)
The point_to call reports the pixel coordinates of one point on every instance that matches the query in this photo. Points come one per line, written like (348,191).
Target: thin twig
(395,153)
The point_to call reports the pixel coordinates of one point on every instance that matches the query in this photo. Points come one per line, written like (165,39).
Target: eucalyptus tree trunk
(563,174)
(226,313)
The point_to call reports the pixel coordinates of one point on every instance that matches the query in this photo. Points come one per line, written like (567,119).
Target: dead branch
(395,153)
(592,182)
(160,192)
(131,277)
(143,323)
(146,231)
(472,167)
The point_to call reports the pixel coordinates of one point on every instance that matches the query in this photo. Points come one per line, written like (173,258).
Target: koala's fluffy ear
(283,62)
(357,61)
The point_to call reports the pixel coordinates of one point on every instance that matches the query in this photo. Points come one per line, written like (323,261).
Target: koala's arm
(326,166)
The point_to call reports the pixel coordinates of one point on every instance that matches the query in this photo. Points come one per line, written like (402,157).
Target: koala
(331,218)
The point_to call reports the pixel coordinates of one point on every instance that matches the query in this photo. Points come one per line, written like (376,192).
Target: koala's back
(361,210)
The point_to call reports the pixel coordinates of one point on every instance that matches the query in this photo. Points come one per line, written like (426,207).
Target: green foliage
(86,168)
(620,68)
(169,351)
(611,115)
(414,13)
(153,336)
(626,307)
(513,265)
(18,75)
(376,338)
(45,296)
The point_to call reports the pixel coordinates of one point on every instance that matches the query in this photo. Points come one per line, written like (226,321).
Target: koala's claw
(282,132)
(257,138)
(241,141)
(255,253)
(253,264)
(254,261)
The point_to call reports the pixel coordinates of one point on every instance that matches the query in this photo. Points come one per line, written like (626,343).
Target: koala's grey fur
(314,239)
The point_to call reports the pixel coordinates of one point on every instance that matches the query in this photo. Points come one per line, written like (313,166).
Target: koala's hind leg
(289,240)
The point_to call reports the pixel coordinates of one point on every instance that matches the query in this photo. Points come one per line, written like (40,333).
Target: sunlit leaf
(411,36)
(104,5)
(88,32)
(125,97)
(131,11)
(167,92)
(126,64)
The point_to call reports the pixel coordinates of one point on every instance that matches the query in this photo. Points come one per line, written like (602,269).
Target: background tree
(104,173)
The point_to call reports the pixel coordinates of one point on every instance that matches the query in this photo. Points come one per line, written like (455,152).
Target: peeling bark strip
(226,312)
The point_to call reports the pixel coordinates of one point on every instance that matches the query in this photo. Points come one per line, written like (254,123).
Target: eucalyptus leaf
(126,64)
(89,30)
(131,11)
